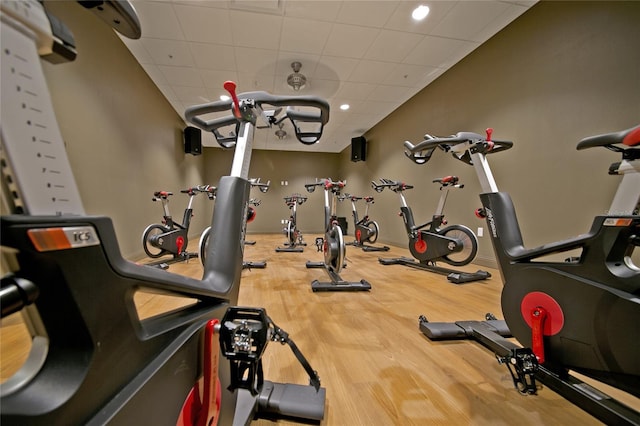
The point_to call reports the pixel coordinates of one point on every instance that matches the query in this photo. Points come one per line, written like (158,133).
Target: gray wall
(123,138)
(296,168)
(560,72)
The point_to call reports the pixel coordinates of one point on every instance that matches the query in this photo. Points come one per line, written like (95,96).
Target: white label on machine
(32,146)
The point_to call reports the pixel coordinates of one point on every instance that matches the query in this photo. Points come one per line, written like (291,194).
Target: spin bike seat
(629,137)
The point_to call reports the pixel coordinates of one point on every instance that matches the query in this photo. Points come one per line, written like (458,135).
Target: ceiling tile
(389,94)
(137,50)
(256,30)
(168,92)
(371,71)
(214,56)
(190,95)
(437,51)
(215,79)
(158,20)
(374,60)
(322,88)
(357,91)
(155,74)
(401,19)
(250,82)
(303,35)
(349,41)
(366,13)
(407,75)
(168,52)
(181,76)
(320,10)
(392,46)
(256,61)
(335,68)
(204,24)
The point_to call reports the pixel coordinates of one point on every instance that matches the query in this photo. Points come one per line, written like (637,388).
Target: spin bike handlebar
(475,143)
(263,187)
(395,186)
(244,107)
(355,198)
(451,181)
(159,195)
(296,198)
(210,190)
(328,184)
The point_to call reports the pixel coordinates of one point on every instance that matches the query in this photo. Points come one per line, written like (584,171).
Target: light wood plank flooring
(377,367)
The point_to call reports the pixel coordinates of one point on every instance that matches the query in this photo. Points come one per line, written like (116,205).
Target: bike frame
(578,314)
(104,363)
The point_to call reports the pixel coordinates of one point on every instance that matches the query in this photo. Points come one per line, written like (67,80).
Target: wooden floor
(377,367)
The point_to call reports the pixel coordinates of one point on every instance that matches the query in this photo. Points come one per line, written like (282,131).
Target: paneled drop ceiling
(368,54)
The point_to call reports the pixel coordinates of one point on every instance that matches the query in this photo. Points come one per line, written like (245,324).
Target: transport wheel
(469,245)
(150,249)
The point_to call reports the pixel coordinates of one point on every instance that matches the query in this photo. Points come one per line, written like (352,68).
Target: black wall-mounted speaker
(358,149)
(192,140)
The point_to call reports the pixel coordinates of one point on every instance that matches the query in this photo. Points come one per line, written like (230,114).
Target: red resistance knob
(180,244)
(538,317)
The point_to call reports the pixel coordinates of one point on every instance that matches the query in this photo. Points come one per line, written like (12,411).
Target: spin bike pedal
(244,335)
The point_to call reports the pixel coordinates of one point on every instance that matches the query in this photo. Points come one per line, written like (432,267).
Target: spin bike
(294,242)
(581,314)
(171,237)
(254,202)
(366,230)
(332,245)
(455,245)
(251,215)
(93,359)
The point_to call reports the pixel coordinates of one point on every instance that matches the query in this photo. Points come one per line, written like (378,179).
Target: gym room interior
(559,72)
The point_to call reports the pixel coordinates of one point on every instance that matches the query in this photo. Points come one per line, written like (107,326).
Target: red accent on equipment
(555,316)
(538,319)
(480,213)
(358,235)
(633,138)
(230,86)
(205,411)
(489,133)
(180,243)
(251,214)
(420,245)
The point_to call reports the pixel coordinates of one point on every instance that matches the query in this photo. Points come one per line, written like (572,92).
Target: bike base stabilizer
(456,277)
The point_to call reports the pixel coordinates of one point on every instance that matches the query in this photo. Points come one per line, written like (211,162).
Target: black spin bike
(105,362)
(171,237)
(332,245)
(251,215)
(294,242)
(580,314)
(435,241)
(366,229)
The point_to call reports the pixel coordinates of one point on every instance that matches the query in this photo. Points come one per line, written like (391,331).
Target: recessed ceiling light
(224,98)
(420,12)
(344,107)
